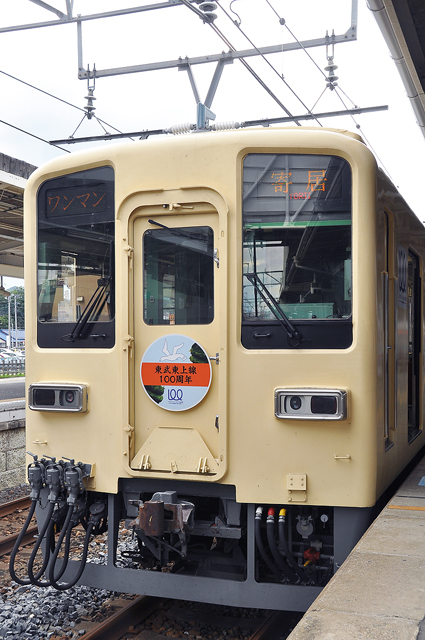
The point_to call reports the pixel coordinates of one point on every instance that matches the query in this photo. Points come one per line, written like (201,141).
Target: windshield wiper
(268,299)
(94,307)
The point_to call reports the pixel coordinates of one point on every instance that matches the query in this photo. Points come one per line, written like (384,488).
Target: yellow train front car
(224,353)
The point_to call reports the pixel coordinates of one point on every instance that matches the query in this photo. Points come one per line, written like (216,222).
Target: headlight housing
(49,396)
(310,404)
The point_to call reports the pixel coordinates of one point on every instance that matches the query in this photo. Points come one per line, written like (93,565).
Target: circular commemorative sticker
(175,372)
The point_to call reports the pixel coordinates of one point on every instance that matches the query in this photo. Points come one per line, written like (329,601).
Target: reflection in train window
(76,234)
(178,276)
(297,236)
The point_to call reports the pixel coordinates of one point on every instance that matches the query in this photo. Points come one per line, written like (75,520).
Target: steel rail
(119,622)
(272,627)
(8,542)
(10,507)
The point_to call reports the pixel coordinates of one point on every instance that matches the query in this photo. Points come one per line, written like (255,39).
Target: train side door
(179,328)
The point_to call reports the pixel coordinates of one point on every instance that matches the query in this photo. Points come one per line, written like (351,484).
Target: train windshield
(76,260)
(296,238)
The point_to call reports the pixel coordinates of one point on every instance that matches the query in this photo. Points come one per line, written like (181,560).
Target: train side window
(296,251)
(178,276)
(414,333)
(75,276)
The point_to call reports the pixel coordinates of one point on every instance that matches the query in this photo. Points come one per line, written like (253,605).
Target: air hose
(67,525)
(283,566)
(17,545)
(261,549)
(47,526)
(36,476)
(97,514)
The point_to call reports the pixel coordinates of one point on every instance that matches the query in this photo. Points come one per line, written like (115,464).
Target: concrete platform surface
(379,591)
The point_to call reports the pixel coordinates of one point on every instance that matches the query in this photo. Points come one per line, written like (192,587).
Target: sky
(47,59)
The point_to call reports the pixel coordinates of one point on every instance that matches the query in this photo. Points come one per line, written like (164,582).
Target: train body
(224,355)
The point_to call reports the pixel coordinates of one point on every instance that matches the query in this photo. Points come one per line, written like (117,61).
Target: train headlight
(46,396)
(310,404)
(295,403)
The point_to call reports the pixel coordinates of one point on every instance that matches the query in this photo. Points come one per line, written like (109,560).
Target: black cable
(71,583)
(14,577)
(67,524)
(34,579)
(283,566)
(261,548)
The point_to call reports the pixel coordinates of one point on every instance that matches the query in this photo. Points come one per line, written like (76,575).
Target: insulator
(176,129)
(208,6)
(332,78)
(223,126)
(208,9)
(89,106)
(331,67)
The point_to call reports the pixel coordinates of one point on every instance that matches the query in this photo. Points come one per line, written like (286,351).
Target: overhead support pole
(44,5)
(93,16)
(203,111)
(203,117)
(80,47)
(215,57)
(216,79)
(186,67)
(313,116)
(354,8)
(69,8)
(248,123)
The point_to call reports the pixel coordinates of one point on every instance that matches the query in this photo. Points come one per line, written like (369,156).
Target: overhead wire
(51,95)
(33,135)
(244,62)
(337,89)
(267,61)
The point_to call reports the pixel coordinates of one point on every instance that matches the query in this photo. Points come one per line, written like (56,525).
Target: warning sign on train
(175,372)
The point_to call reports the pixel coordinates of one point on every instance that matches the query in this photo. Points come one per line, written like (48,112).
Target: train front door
(178,408)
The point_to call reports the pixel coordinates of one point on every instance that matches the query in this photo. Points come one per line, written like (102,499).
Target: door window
(178,276)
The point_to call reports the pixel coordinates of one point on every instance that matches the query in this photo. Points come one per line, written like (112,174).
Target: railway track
(125,620)
(130,619)
(14,505)
(149,618)
(7,542)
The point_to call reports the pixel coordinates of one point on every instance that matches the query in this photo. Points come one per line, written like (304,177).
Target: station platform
(379,591)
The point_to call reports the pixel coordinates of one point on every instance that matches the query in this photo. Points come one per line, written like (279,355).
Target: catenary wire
(9,75)
(296,39)
(244,62)
(268,62)
(33,136)
(338,89)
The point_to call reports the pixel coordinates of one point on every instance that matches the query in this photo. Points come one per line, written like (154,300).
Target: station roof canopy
(402,23)
(13,177)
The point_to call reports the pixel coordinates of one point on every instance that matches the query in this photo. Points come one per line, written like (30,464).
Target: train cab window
(76,260)
(296,252)
(178,275)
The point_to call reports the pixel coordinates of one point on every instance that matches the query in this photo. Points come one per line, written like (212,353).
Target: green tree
(19,296)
